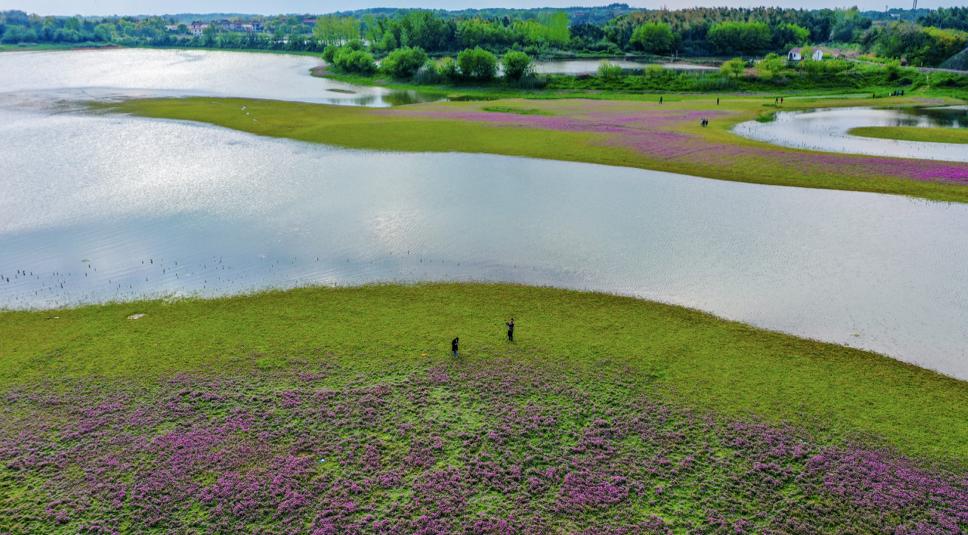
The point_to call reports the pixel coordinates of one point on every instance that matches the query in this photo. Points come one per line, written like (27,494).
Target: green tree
(349,60)
(477,64)
(335,30)
(104,31)
(404,62)
(516,64)
(734,67)
(740,37)
(558,26)
(787,36)
(654,37)
(770,66)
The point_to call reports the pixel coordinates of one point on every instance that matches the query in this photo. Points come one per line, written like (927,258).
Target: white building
(197,28)
(797,54)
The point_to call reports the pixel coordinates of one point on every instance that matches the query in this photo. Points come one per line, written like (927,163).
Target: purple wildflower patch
(658,134)
(495,447)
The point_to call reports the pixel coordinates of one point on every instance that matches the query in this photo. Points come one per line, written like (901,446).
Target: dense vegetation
(341,411)
(610,30)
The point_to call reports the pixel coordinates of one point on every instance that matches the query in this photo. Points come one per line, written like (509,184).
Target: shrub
(734,67)
(533,81)
(609,71)
(770,66)
(329,53)
(427,74)
(404,62)
(447,69)
(517,65)
(477,64)
(354,61)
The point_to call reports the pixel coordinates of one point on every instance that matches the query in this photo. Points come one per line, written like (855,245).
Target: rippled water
(129,207)
(95,208)
(98,74)
(828,130)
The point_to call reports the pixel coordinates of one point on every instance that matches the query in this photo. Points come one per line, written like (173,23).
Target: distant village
(197,28)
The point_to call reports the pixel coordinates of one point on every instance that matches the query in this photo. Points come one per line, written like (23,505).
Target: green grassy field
(686,357)
(913,133)
(666,137)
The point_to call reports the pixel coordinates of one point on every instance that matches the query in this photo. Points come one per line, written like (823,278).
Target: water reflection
(943,117)
(828,130)
(130,207)
(590,66)
(140,73)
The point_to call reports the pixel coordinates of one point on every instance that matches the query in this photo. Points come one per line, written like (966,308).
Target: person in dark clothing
(717,101)
(510,325)
(454,344)
(660,100)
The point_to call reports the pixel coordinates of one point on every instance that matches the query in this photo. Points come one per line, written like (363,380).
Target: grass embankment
(341,410)
(47,47)
(688,356)
(914,133)
(634,133)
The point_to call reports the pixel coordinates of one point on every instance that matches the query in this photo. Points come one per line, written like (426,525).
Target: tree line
(936,36)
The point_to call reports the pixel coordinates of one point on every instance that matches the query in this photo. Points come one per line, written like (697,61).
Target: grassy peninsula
(626,130)
(913,133)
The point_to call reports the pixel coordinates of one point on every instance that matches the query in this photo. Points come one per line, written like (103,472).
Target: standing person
(454,345)
(717,101)
(660,100)
(510,325)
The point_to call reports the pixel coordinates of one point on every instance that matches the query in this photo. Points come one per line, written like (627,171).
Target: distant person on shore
(510,325)
(454,346)
(660,100)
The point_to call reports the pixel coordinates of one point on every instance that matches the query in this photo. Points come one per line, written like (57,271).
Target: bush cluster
(350,58)
(404,62)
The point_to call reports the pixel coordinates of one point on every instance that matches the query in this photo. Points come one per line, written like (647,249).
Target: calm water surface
(96,207)
(590,66)
(100,74)
(828,130)
(129,207)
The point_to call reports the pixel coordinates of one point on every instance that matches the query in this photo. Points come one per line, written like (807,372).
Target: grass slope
(685,357)
(913,133)
(724,155)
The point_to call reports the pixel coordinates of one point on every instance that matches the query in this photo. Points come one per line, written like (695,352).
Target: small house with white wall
(796,54)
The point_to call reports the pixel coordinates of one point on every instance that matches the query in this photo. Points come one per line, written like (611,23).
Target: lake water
(102,74)
(96,207)
(828,130)
(590,66)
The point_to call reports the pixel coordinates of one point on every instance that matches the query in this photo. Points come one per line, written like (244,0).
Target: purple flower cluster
(659,134)
(492,447)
